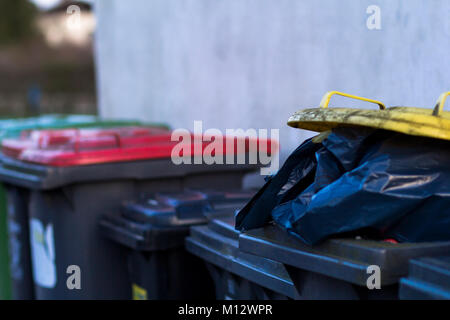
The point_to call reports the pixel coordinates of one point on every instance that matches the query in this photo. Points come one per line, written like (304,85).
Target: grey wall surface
(252,63)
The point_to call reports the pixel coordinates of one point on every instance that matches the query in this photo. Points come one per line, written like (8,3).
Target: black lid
(162,220)
(432,270)
(217,244)
(184,208)
(344,259)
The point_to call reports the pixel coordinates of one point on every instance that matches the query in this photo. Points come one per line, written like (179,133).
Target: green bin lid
(10,128)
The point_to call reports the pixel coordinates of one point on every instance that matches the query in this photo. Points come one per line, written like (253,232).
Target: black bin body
(153,231)
(238,275)
(428,279)
(22,286)
(64,206)
(338,268)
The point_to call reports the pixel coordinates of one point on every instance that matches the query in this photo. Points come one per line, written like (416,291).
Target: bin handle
(76,145)
(41,138)
(440,103)
(326,99)
(115,135)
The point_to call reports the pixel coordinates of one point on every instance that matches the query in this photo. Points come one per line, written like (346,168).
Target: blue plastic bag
(295,175)
(390,184)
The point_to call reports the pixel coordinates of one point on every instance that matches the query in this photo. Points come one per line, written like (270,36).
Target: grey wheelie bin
(15,264)
(238,275)
(428,279)
(154,229)
(339,268)
(73,179)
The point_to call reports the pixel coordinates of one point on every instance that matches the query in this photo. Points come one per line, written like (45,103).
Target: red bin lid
(66,140)
(73,147)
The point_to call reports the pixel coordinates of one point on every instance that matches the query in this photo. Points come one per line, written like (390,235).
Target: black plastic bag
(393,184)
(295,175)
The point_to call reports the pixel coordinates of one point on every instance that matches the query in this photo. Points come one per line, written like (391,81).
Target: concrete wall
(252,63)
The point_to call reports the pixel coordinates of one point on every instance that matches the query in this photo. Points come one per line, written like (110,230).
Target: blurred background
(45,66)
(230,63)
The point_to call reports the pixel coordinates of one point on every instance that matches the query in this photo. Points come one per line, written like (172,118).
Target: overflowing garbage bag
(380,183)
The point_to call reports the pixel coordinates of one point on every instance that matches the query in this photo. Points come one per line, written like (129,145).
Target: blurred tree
(16,20)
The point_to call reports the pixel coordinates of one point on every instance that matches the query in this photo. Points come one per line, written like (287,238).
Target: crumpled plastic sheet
(395,185)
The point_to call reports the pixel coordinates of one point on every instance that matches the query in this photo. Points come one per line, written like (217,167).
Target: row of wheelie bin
(267,264)
(12,128)
(99,210)
(359,211)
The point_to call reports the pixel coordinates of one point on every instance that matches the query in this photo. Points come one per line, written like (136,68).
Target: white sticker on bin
(43,253)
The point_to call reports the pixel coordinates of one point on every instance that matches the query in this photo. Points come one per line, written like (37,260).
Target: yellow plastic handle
(440,103)
(326,99)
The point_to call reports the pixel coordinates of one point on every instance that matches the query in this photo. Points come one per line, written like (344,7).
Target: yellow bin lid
(433,123)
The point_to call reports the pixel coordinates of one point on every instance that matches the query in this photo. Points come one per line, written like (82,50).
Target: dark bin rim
(217,243)
(41,177)
(139,238)
(343,259)
(428,278)
(162,225)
